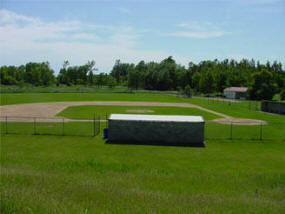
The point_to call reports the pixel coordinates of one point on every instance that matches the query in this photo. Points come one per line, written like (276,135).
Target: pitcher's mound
(139,111)
(239,121)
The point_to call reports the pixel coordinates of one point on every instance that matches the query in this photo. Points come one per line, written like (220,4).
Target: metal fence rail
(93,127)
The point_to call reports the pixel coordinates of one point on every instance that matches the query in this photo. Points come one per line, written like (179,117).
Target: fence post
(231,137)
(62,126)
(260,138)
(99,124)
(6,123)
(35,126)
(107,123)
(94,124)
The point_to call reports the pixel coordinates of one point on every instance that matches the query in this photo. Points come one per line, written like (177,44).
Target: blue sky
(78,31)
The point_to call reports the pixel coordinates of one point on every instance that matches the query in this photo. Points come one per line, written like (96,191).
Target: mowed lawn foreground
(54,174)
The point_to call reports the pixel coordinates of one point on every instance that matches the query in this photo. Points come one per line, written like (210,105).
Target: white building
(236,93)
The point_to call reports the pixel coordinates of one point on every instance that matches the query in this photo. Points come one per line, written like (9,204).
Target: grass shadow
(156,143)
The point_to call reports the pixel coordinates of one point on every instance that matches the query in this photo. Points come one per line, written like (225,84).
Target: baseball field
(240,169)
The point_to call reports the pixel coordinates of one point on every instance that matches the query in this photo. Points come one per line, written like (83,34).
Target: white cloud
(198,30)
(197,35)
(9,17)
(24,39)
(85,36)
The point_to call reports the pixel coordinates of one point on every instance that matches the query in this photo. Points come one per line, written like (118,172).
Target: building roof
(156,118)
(236,89)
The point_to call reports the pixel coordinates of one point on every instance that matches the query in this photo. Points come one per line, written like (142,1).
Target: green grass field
(16,98)
(79,112)
(83,174)
(48,174)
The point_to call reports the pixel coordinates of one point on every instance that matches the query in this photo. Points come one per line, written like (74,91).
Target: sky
(135,30)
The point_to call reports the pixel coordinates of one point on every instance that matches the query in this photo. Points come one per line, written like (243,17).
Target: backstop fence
(93,127)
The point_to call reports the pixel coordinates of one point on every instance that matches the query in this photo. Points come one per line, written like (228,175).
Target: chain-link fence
(50,126)
(93,127)
(245,130)
(252,105)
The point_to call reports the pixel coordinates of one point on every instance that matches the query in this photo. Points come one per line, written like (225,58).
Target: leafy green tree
(77,75)
(101,79)
(168,68)
(7,76)
(90,78)
(120,71)
(196,80)
(221,81)
(133,78)
(46,73)
(262,86)
(206,83)
(204,77)
(111,82)
(141,69)
(282,95)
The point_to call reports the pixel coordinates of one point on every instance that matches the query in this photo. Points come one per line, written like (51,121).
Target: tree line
(211,76)
(40,74)
(263,80)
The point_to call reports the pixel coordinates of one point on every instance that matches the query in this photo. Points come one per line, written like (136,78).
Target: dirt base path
(51,109)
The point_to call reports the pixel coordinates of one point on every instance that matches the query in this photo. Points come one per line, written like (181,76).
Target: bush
(187,91)
(282,95)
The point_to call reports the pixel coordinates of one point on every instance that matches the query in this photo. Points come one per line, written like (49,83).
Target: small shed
(156,129)
(236,93)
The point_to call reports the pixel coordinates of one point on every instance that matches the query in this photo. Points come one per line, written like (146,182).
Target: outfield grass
(16,98)
(53,174)
(79,112)
(60,89)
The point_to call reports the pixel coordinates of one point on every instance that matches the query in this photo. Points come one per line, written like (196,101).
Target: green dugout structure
(156,129)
